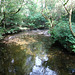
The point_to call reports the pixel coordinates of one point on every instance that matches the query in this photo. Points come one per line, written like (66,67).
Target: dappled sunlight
(20,41)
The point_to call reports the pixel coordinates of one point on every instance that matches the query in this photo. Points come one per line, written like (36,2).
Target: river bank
(15,37)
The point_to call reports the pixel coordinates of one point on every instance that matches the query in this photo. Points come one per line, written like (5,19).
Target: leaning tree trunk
(70,14)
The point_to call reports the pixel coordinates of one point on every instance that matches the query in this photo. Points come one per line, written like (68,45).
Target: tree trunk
(70,14)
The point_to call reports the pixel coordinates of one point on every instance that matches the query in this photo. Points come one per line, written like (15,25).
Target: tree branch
(64,6)
(17,10)
(66,2)
(49,20)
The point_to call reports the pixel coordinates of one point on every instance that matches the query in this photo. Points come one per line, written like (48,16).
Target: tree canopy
(35,14)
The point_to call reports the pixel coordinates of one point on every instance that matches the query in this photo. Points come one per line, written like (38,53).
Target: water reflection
(34,58)
(39,69)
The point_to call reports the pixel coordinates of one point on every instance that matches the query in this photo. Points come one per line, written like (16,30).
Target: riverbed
(31,53)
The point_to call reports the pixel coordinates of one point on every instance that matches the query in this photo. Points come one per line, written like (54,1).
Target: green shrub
(62,33)
(12,30)
(35,21)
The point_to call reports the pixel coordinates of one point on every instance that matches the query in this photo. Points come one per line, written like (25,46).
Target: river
(31,53)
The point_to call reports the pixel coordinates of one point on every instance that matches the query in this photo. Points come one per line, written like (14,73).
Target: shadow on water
(35,58)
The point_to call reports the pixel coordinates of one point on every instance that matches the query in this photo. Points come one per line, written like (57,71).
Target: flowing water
(28,54)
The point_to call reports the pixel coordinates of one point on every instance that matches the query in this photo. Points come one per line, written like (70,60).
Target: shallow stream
(32,54)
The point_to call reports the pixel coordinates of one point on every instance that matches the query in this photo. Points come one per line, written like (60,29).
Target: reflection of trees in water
(39,69)
(46,41)
(60,62)
(8,53)
(36,46)
(5,59)
(15,60)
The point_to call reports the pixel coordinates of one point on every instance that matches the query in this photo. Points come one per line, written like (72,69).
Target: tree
(70,14)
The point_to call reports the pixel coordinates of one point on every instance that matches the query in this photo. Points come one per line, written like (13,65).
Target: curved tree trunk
(70,14)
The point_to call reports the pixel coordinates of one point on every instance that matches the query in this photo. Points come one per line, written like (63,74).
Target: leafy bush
(35,21)
(62,33)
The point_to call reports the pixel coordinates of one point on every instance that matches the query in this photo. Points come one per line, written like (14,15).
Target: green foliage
(12,30)
(14,20)
(73,46)
(35,21)
(10,16)
(27,13)
(62,33)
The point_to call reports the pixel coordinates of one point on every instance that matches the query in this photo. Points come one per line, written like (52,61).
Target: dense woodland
(56,15)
